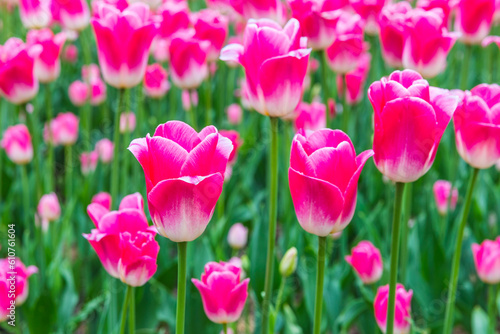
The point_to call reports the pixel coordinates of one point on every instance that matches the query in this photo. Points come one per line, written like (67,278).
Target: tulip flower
(366,261)
(104,149)
(237,236)
(17,144)
(259,9)
(103,199)
(474,19)
(63,129)
(222,293)
(369,12)
(156,83)
(402,314)
(78,93)
(18,83)
(445,5)
(127,122)
(90,72)
(153,4)
(427,42)
(310,117)
(88,162)
(72,15)
(48,209)
(47,64)
(477,126)
(234,114)
(392,23)
(20,294)
(123,241)
(355,81)
(35,14)
(213,27)
(442,193)
(275,63)
(487,260)
(123,42)
(70,53)
(97,91)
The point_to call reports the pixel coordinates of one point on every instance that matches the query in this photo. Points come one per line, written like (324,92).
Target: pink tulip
(392,23)
(123,241)
(78,93)
(489,40)
(103,199)
(324,201)
(184,177)
(236,141)
(189,98)
(427,42)
(88,162)
(366,261)
(63,129)
(48,209)
(127,122)
(16,142)
(355,81)
(123,42)
(18,83)
(156,83)
(369,10)
(153,4)
(13,291)
(259,9)
(410,119)
(98,90)
(221,291)
(234,114)
(213,27)
(47,64)
(71,14)
(70,53)
(104,148)
(316,23)
(90,72)
(487,260)
(238,236)
(402,315)
(442,192)
(35,14)
(474,19)
(188,59)
(445,5)
(275,63)
(310,117)
(477,126)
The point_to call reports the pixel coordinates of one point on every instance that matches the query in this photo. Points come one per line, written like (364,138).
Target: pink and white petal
(232,53)
(139,272)
(210,156)
(236,302)
(96,212)
(166,158)
(179,132)
(132,201)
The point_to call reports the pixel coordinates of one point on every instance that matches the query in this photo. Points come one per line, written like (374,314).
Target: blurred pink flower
(17,144)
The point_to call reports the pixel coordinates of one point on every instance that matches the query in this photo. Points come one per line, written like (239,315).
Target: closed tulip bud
(48,209)
(366,261)
(392,22)
(105,149)
(70,53)
(47,63)
(442,192)
(156,83)
(78,93)
(97,90)
(35,14)
(63,129)
(17,144)
(487,260)
(474,19)
(88,162)
(103,199)
(234,114)
(127,122)
(402,315)
(288,263)
(222,293)
(237,236)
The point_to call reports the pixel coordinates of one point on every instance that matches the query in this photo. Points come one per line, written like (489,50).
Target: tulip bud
(288,263)
(402,311)
(105,149)
(88,161)
(442,192)
(70,53)
(237,236)
(78,93)
(366,261)
(17,144)
(234,114)
(487,260)
(127,122)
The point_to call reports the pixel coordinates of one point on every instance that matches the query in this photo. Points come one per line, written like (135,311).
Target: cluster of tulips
(280,45)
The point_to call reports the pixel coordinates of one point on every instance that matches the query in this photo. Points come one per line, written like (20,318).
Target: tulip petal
(179,132)
(232,52)
(209,157)
(96,212)
(166,157)
(236,302)
(139,272)
(133,201)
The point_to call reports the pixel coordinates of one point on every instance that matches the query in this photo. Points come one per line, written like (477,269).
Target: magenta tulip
(47,64)
(102,198)
(474,19)
(259,9)
(445,5)
(48,209)
(442,193)
(78,92)
(35,14)
(366,261)
(369,10)
(184,177)
(392,23)
(71,14)
(17,144)
(487,260)
(155,82)
(97,92)
(221,291)
(213,27)
(63,129)
(402,315)
(355,81)
(70,53)
(310,117)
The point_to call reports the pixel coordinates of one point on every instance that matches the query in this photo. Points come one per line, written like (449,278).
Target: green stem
(126,300)
(50,158)
(405,231)
(452,290)
(320,277)
(192,112)
(32,120)
(26,194)
(115,169)
(68,165)
(224,327)
(278,303)
(396,233)
(345,106)
(465,67)
(208,102)
(139,129)
(324,83)
(131,310)
(273,212)
(172,104)
(87,108)
(181,287)
(492,309)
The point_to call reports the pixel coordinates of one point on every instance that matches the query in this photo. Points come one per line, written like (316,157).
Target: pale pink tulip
(127,122)
(48,209)
(35,14)
(442,192)
(487,260)
(17,144)
(234,114)
(104,148)
(88,162)
(78,93)
(238,236)
(402,315)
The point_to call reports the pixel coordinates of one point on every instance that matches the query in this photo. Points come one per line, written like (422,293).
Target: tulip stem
(320,277)
(465,67)
(32,120)
(192,111)
(50,158)
(181,287)
(131,310)
(115,169)
(278,303)
(68,166)
(396,234)
(126,300)
(208,102)
(273,212)
(452,290)
(224,327)
(26,193)
(492,297)
(405,230)
(345,106)
(324,84)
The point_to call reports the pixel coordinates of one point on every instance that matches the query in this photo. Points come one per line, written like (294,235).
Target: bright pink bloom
(474,19)
(70,53)
(48,209)
(98,91)
(427,42)
(123,42)
(78,93)
(487,260)
(184,176)
(102,198)
(442,192)
(153,4)
(275,63)
(348,48)
(355,81)
(156,83)
(71,14)
(392,23)
(47,64)
(445,5)
(35,14)
(366,261)
(7,298)
(477,126)
(259,9)
(316,22)
(123,241)
(17,144)
(402,315)
(213,27)
(310,117)
(18,83)
(369,10)
(127,122)
(88,162)
(221,291)
(234,114)
(104,148)
(64,129)
(235,139)
(237,236)
(323,177)
(410,119)
(188,59)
